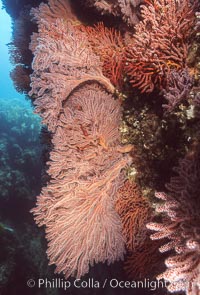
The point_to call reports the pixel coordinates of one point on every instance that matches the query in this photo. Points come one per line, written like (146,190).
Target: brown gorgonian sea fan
(86,163)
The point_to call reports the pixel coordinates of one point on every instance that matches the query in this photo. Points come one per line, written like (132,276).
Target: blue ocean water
(10,99)
(20,173)
(7,90)
(19,127)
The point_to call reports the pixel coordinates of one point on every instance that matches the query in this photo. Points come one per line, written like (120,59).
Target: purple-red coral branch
(181,225)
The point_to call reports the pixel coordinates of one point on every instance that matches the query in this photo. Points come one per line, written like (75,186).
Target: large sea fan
(63,60)
(77,206)
(86,162)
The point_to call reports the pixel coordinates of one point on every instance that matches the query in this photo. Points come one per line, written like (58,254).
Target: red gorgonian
(108,44)
(160,42)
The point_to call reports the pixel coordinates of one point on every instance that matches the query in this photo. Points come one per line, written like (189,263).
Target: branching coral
(134,211)
(181,225)
(126,9)
(179,85)
(129,10)
(77,206)
(105,6)
(160,43)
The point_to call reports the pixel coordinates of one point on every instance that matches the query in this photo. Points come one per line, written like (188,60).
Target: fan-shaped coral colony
(93,208)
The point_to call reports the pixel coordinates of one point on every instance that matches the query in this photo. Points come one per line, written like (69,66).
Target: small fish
(6,228)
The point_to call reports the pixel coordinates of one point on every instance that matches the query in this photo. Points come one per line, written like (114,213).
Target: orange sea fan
(160,43)
(134,211)
(108,44)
